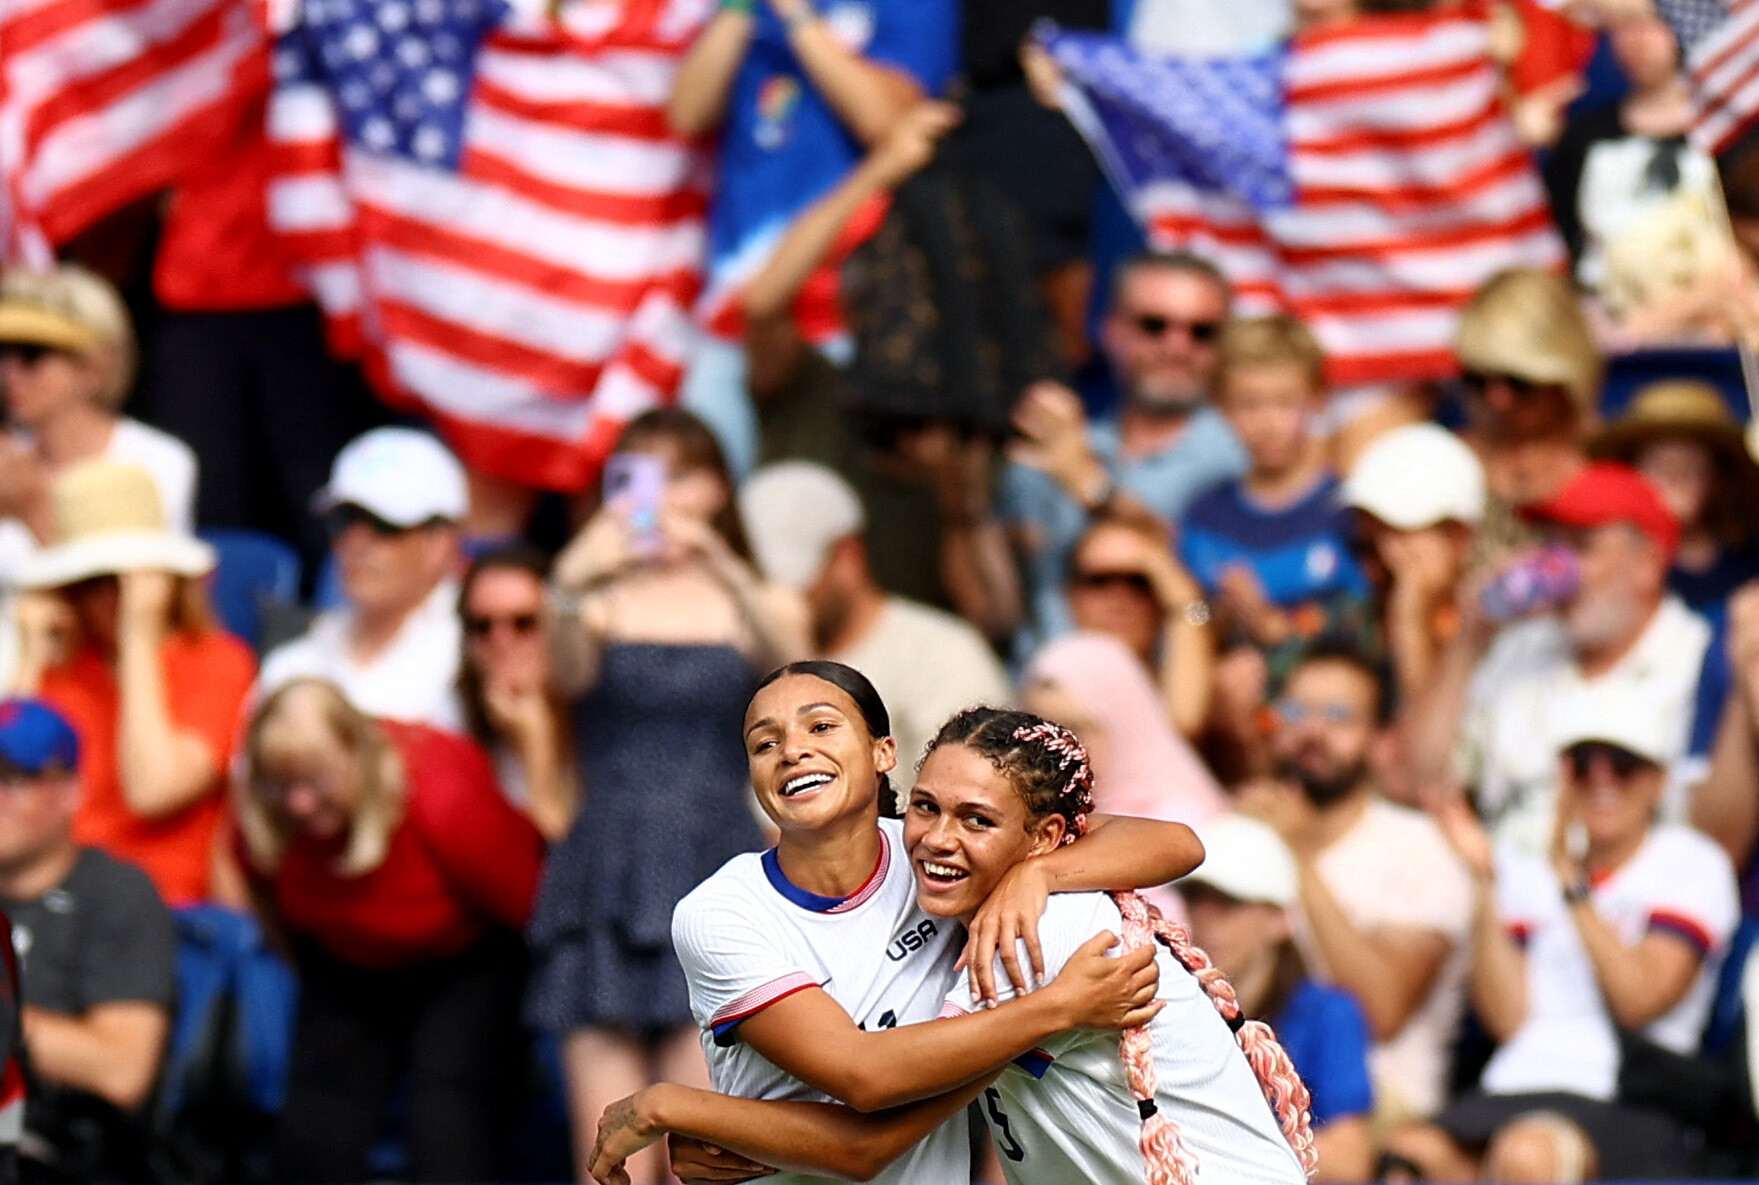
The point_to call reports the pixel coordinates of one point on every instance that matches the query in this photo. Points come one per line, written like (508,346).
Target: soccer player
(811,968)
(998,790)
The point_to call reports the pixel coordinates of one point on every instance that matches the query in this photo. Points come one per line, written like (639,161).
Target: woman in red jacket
(401,878)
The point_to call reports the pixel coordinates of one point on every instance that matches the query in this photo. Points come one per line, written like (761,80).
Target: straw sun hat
(109,519)
(1670,410)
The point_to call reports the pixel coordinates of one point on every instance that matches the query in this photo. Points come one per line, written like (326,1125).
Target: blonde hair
(86,298)
(1527,323)
(379,806)
(1261,341)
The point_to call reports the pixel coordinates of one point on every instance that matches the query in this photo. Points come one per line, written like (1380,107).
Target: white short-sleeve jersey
(1071,1117)
(1679,882)
(747,938)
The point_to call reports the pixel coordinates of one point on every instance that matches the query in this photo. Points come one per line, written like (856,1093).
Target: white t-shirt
(1529,685)
(1068,1115)
(171,462)
(1679,881)
(1394,868)
(1203,27)
(415,678)
(926,665)
(747,938)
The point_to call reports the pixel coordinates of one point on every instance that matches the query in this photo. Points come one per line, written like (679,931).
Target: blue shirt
(783,147)
(1165,482)
(1323,1031)
(1300,553)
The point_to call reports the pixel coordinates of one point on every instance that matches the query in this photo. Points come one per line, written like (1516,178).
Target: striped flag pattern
(528,287)
(1724,69)
(104,102)
(1371,184)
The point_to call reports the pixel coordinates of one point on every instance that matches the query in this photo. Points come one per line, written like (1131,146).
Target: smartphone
(635,487)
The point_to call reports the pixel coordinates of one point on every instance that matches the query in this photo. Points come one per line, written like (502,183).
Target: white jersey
(1679,882)
(1071,1117)
(747,938)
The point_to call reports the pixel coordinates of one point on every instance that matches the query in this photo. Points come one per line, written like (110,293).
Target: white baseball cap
(1247,860)
(403,476)
(1417,476)
(793,512)
(1618,716)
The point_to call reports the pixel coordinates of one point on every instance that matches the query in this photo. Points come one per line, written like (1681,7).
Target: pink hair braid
(1169,1162)
(1071,756)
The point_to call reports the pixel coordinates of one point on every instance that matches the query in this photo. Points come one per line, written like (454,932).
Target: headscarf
(1144,768)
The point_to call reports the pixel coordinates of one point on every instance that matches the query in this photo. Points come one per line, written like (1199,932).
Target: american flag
(492,212)
(105,102)
(1722,57)
(1365,180)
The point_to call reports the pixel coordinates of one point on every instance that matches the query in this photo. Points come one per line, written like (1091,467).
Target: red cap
(1605,493)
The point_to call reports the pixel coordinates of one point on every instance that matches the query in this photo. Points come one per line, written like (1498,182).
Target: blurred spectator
(509,692)
(94,946)
(401,878)
(120,638)
(1616,164)
(797,95)
(1608,635)
(1191,27)
(393,505)
(1092,684)
(1682,437)
(12,1092)
(807,528)
(1419,494)
(914,442)
(1273,546)
(1163,448)
(676,631)
(1240,902)
(1585,961)
(235,363)
(1531,376)
(67,363)
(1386,907)
(1125,581)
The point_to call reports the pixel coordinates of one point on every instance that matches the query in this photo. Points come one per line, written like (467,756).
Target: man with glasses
(1385,905)
(94,946)
(1595,629)
(1589,959)
(1162,447)
(393,505)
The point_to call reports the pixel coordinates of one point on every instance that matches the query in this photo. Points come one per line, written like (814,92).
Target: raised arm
(867,96)
(699,94)
(827,1139)
(1116,853)
(810,1036)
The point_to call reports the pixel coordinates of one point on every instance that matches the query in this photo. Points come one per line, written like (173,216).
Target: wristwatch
(1195,613)
(1577,891)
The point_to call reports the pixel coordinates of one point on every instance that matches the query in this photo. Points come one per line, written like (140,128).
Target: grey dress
(666,805)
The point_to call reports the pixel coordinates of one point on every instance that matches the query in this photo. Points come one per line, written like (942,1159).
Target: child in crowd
(1273,547)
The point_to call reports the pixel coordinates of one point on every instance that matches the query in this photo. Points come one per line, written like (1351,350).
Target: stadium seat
(255,571)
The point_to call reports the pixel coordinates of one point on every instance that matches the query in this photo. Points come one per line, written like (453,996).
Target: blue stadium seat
(255,569)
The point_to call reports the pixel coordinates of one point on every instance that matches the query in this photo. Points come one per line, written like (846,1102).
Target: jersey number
(888,1020)
(998,1119)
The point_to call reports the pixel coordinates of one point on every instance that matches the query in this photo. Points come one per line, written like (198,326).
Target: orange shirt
(207,677)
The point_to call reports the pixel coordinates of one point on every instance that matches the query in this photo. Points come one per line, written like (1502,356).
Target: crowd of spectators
(1458,680)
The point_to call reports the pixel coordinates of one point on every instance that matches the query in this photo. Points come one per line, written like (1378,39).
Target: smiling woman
(816,977)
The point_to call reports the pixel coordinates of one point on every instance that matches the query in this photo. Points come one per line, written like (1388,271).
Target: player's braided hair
(1049,767)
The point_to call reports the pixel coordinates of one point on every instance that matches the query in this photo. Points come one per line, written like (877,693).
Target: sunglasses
(1292,713)
(348,515)
(522,624)
(1101,581)
(1477,383)
(1622,762)
(28,353)
(1155,325)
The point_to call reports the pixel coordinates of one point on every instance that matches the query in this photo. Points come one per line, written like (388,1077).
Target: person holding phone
(667,630)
